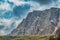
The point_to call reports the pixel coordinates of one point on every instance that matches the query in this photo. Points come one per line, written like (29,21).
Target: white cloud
(2,32)
(18,22)
(18,2)
(34,5)
(7,25)
(5,6)
(37,6)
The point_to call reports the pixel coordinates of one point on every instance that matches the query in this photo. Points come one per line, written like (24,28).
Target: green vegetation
(36,37)
(23,38)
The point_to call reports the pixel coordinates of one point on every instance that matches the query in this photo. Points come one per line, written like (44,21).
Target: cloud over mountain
(13,10)
(43,2)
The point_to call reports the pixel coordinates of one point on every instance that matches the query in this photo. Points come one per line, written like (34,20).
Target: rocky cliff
(39,22)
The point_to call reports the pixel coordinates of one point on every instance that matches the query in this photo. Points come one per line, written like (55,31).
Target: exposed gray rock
(38,22)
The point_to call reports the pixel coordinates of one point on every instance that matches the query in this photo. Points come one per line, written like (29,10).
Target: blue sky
(13,11)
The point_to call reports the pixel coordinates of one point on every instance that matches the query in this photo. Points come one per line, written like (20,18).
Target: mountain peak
(55,8)
(38,22)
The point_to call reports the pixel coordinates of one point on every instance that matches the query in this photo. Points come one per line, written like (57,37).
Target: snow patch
(55,30)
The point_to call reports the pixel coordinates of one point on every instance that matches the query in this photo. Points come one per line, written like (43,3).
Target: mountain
(39,23)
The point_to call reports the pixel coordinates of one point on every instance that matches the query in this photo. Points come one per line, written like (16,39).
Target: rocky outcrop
(39,22)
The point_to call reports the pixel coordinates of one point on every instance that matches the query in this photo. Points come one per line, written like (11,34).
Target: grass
(24,38)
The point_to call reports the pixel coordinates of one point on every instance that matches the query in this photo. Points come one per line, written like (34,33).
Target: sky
(12,12)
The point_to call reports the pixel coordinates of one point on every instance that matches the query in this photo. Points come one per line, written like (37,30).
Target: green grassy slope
(23,38)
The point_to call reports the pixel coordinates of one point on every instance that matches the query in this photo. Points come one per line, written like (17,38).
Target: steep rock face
(39,22)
